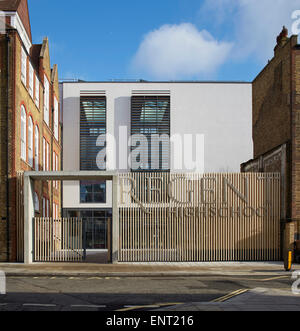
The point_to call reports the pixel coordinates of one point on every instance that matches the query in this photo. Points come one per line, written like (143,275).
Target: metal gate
(166,217)
(58,240)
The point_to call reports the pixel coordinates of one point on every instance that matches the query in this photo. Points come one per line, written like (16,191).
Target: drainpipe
(7,152)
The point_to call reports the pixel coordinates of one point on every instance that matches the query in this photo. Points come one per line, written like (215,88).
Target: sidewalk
(258,299)
(145,269)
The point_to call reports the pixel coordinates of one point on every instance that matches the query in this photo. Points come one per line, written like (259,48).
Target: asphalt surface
(126,294)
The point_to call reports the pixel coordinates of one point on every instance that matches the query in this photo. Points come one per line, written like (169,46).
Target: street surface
(47,293)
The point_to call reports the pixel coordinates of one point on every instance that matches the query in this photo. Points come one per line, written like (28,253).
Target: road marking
(38,305)
(230,295)
(3,304)
(88,306)
(169,304)
(128,308)
(157,305)
(90,278)
(274,278)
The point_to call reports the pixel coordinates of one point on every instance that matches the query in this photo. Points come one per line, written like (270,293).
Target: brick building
(276,129)
(30,130)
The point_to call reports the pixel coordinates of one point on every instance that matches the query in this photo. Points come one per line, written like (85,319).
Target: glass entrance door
(95,227)
(96,233)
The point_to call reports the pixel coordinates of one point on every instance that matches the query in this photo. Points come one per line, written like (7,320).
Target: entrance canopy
(31,176)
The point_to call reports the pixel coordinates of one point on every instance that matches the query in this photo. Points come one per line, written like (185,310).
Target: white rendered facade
(220,111)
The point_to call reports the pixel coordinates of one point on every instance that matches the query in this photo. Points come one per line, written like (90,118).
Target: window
(150,117)
(23,133)
(46,101)
(92,124)
(92,192)
(55,118)
(31,80)
(24,67)
(37,92)
(36,203)
(36,147)
(45,155)
(46,207)
(30,142)
(55,168)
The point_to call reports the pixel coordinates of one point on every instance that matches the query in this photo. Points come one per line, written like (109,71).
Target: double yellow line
(231,295)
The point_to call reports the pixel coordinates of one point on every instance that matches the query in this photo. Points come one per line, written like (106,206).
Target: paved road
(118,293)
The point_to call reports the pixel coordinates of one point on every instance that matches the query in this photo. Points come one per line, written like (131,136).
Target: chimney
(282,39)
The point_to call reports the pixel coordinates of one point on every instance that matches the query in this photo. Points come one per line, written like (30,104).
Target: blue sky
(160,39)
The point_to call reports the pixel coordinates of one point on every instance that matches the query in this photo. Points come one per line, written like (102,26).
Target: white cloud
(180,52)
(256,23)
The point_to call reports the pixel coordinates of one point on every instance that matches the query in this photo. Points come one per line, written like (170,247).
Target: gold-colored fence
(166,217)
(58,240)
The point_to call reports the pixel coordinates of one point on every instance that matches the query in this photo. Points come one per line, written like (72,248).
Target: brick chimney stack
(282,39)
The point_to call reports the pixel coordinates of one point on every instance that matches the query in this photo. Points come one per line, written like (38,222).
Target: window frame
(46,100)
(31,80)
(23,133)
(36,147)
(37,91)
(93,193)
(30,141)
(145,121)
(55,117)
(23,66)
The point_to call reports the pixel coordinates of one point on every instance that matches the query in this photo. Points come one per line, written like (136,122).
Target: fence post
(28,217)
(115,220)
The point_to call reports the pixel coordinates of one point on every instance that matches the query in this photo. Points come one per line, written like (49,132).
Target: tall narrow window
(150,119)
(46,100)
(36,203)
(36,147)
(57,169)
(23,133)
(37,92)
(55,118)
(23,66)
(31,80)
(44,207)
(92,125)
(30,142)
(44,154)
(47,157)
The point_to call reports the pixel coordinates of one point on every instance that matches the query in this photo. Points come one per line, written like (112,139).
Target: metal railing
(58,240)
(194,218)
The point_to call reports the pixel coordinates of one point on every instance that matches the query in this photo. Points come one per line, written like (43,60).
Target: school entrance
(163,217)
(73,239)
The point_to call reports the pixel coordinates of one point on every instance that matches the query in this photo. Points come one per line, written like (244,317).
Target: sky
(222,40)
